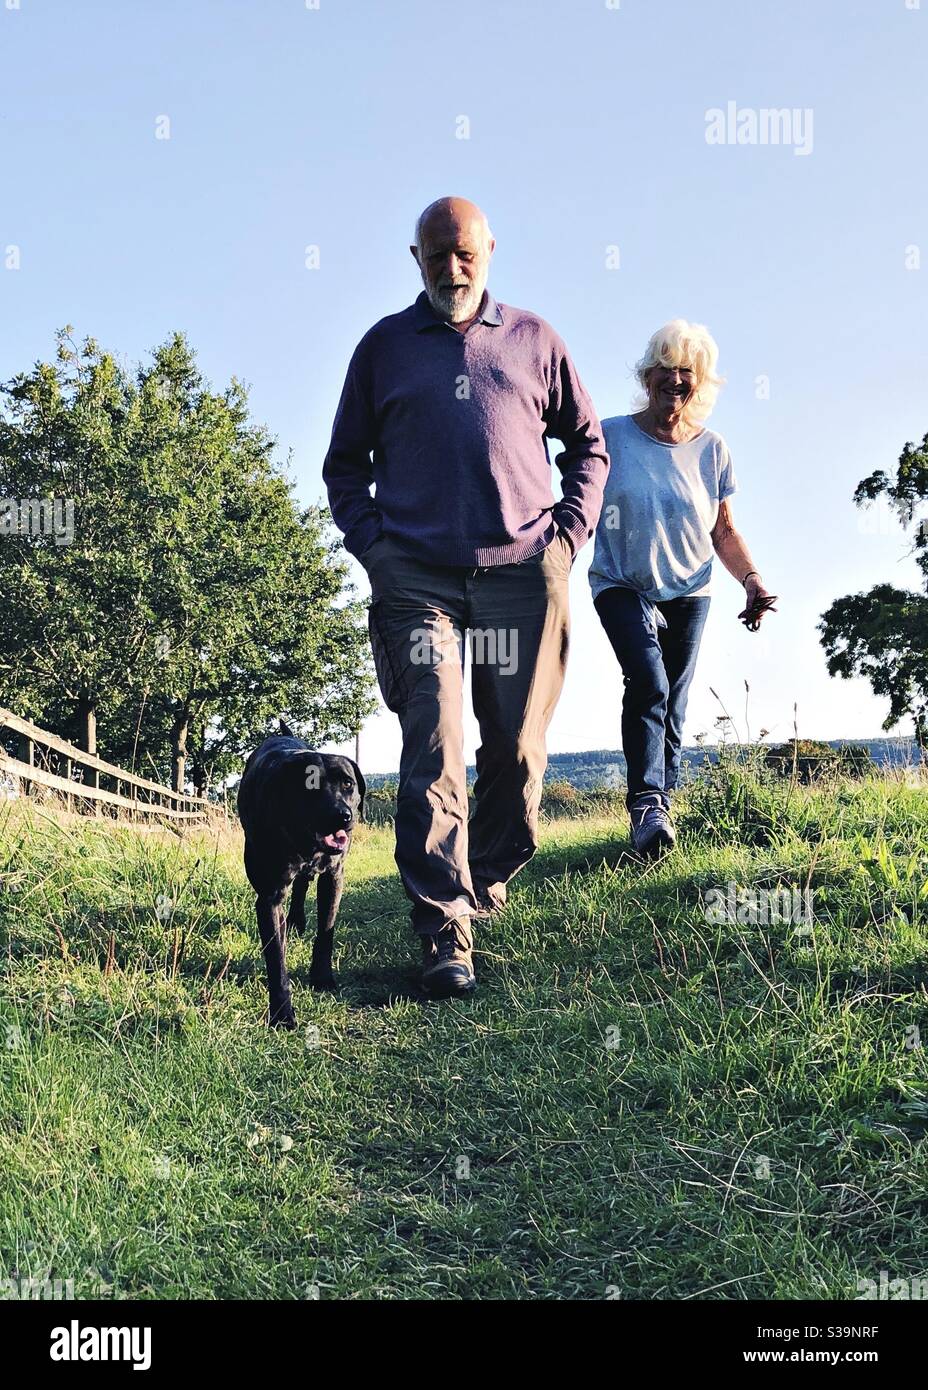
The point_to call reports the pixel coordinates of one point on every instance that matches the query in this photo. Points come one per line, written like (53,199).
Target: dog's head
(335,789)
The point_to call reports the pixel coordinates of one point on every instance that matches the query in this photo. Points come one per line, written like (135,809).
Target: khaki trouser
(515,620)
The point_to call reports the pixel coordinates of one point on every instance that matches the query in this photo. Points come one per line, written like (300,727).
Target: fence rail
(34,769)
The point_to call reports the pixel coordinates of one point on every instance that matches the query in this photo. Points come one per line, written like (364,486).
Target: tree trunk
(199,775)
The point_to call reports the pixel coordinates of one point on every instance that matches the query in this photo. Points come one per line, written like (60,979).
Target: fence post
(28,757)
(90,739)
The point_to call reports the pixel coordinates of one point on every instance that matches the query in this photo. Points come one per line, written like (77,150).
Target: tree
(810,758)
(883,634)
(195,599)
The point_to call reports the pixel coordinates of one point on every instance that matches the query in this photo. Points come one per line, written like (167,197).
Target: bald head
(453,249)
(452,215)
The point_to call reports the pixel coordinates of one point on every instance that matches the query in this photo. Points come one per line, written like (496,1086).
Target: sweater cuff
(577,532)
(362,536)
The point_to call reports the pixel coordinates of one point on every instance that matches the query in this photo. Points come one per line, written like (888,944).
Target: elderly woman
(665,515)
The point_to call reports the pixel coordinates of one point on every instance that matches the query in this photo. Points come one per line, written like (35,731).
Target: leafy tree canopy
(883,634)
(196,599)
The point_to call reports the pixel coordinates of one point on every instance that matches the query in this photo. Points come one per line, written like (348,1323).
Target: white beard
(457,305)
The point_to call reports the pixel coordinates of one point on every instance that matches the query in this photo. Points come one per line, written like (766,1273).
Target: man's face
(454,259)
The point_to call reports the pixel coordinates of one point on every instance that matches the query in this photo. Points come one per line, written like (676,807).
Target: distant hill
(605,767)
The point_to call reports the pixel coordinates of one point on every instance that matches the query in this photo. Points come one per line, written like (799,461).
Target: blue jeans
(656,645)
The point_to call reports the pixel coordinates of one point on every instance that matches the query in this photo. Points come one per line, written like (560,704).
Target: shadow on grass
(365,988)
(388,932)
(373,923)
(615,851)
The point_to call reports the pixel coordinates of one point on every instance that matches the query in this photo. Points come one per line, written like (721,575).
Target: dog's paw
(326,981)
(283,1018)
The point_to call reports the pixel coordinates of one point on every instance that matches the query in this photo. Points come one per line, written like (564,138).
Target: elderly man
(446,410)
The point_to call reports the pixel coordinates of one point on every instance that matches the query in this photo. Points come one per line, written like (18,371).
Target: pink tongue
(336,841)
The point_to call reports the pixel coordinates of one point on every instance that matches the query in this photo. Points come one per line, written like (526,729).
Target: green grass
(635,1100)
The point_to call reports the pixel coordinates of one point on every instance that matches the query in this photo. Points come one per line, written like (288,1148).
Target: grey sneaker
(447,963)
(652,831)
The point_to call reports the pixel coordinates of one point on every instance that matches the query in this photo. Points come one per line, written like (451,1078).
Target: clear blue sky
(334,126)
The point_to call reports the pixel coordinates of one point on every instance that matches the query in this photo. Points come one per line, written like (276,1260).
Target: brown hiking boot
(447,966)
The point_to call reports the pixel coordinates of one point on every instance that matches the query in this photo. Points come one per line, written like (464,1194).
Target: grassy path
(637,1099)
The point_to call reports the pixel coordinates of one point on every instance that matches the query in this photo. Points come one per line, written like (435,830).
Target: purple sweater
(458,425)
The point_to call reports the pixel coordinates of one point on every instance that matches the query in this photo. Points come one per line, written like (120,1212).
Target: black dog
(298,809)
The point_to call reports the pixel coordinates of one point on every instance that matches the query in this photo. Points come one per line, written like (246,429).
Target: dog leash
(752,615)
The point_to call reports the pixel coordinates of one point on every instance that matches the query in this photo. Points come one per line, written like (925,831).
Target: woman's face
(669,388)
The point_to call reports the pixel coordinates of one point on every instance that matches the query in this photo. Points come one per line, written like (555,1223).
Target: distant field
(638,1100)
(605,767)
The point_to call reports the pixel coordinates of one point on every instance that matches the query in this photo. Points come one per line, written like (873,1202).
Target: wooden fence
(48,765)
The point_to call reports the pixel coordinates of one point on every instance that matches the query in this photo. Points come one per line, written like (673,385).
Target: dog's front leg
(271,926)
(328,897)
(296,916)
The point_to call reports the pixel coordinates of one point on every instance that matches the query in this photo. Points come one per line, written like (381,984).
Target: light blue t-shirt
(659,507)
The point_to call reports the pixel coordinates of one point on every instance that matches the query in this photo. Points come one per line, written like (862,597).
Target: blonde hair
(683,344)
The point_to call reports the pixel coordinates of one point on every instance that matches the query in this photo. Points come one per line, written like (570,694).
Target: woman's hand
(759,602)
(732,550)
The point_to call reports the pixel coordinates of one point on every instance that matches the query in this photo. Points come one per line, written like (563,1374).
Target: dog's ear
(286,730)
(362,786)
